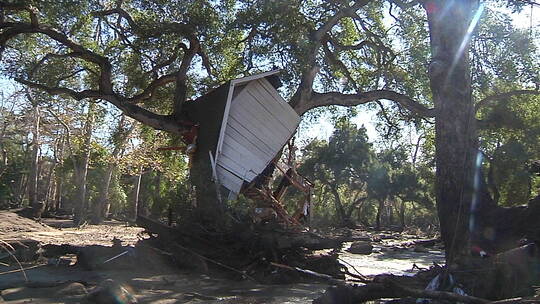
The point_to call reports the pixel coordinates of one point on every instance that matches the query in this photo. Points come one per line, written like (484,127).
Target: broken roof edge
(254,77)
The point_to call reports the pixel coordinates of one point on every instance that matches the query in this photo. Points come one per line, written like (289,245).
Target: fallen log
(387,287)
(312,273)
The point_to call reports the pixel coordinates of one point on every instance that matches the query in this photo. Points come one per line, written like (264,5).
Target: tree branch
(503,96)
(335,60)
(341,99)
(346,12)
(156,121)
(305,89)
(105,86)
(152,87)
(105,83)
(78,95)
(121,13)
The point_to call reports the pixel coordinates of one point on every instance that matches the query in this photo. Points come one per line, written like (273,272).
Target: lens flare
(467,37)
(476,190)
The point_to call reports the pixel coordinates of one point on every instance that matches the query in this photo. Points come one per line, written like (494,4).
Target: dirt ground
(45,282)
(48,281)
(61,231)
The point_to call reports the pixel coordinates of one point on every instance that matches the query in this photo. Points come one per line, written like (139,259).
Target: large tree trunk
(456,141)
(136,192)
(82,169)
(340,211)
(207,112)
(402,214)
(102,207)
(50,187)
(59,183)
(378,218)
(34,167)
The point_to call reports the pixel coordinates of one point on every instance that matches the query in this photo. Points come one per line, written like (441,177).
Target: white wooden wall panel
(261,148)
(283,112)
(289,112)
(260,130)
(257,125)
(267,111)
(229,180)
(249,160)
(238,169)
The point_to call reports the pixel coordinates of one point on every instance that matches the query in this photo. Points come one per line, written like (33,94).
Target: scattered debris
(246,251)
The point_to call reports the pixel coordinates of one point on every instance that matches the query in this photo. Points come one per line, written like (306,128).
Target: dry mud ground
(42,282)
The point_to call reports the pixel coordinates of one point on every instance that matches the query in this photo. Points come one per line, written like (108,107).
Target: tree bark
(102,207)
(340,211)
(81,169)
(59,158)
(136,191)
(402,214)
(50,188)
(379,215)
(207,112)
(34,168)
(455,129)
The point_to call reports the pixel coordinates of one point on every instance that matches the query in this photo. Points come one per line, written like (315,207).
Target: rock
(376,239)
(385,236)
(420,248)
(72,289)
(110,292)
(361,247)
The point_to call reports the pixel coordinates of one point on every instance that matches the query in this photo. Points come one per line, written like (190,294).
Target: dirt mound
(12,225)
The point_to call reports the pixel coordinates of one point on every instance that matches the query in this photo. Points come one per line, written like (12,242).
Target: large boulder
(361,247)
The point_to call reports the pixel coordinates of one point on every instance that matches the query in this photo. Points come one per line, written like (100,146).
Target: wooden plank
(242,155)
(256,76)
(248,139)
(250,162)
(229,180)
(232,165)
(273,141)
(291,113)
(224,121)
(257,128)
(251,103)
(237,168)
(270,109)
(287,115)
(282,102)
(231,185)
(248,176)
(261,124)
(274,106)
(238,89)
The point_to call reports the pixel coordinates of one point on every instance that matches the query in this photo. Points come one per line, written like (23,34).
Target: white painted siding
(257,124)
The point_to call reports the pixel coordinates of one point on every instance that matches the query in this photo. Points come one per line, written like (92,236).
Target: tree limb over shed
(342,99)
(10,28)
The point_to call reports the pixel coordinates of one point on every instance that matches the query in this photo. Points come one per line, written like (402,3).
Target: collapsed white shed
(257,123)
